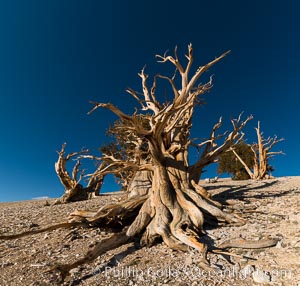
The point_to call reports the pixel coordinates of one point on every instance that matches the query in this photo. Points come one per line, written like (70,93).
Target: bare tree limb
(261,155)
(211,148)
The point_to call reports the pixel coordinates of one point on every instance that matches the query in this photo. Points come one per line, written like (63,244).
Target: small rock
(33,225)
(296,243)
(74,270)
(262,254)
(243,261)
(5,264)
(214,260)
(261,276)
(189,260)
(46,204)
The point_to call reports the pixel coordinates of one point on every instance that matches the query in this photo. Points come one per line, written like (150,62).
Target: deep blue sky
(55,56)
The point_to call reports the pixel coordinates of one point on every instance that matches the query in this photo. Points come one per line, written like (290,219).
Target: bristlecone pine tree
(229,163)
(261,156)
(174,208)
(74,190)
(73,182)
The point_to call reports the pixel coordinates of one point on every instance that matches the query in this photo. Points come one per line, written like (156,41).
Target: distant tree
(262,153)
(73,181)
(229,163)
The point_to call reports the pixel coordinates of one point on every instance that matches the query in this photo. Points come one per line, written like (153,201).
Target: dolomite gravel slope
(272,208)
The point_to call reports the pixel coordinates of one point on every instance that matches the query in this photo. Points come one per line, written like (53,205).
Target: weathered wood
(74,190)
(248,244)
(140,184)
(100,248)
(261,154)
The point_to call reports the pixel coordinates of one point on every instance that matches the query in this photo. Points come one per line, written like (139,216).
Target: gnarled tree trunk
(140,184)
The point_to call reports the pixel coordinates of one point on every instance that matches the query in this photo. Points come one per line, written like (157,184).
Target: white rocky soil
(272,208)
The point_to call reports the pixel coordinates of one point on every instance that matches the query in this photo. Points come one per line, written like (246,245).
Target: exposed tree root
(109,216)
(248,244)
(44,229)
(112,215)
(100,248)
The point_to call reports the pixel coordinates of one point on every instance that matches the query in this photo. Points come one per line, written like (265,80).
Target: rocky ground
(271,207)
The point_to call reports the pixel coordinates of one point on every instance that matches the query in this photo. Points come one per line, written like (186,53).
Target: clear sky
(56,55)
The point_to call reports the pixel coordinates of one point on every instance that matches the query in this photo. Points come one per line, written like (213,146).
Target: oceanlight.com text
(194,272)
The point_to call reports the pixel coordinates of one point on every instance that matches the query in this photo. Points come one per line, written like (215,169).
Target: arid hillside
(271,207)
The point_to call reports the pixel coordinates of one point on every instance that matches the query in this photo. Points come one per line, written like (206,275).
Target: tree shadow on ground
(248,191)
(113,262)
